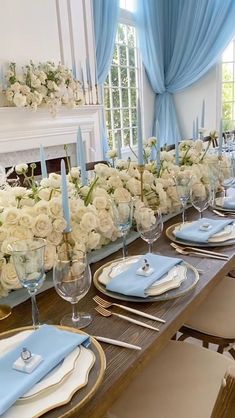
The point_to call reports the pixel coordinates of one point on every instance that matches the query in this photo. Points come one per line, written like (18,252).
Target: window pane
(126,134)
(134,134)
(116,119)
(115,56)
(106,98)
(125,98)
(131,35)
(114,76)
(118,139)
(110,139)
(134,117)
(133,98)
(126,119)
(227,110)
(132,78)
(227,91)
(108,120)
(227,72)
(116,100)
(122,53)
(124,79)
(131,57)
(121,34)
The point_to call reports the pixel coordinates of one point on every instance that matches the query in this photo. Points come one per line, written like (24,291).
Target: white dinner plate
(178,281)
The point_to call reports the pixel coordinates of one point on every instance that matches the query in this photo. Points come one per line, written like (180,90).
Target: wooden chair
(213,322)
(183,381)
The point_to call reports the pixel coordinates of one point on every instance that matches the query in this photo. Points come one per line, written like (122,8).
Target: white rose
(26,220)
(54,180)
(9,277)
(20,232)
(134,186)
(145,217)
(21,168)
(42,227)
(98,192)
(75,172)
(88,222)
(45,193)
(148,177)
(102,170)
(41,207)
(49,256)
(19,192)
(10,216)
(55,207)
(3,234)
(112,153)
(59,224)
(45,182)
(114,182)
(106,224)
(100,202)
(93,240)
(54,238)
(19,100)
(121,195)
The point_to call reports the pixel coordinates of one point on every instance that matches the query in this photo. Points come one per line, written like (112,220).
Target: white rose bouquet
(45,84)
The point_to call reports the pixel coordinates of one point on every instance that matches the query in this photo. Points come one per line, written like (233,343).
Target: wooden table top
(123,364)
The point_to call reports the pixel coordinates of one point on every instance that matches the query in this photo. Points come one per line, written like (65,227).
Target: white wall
(189,104)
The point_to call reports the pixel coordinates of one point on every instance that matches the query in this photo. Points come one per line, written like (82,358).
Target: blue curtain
(105,15)
(180,40)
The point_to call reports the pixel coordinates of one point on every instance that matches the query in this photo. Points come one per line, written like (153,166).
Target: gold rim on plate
(169,294)
(170,234)
(95,386)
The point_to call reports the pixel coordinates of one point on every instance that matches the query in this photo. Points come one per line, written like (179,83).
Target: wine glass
(150,229)
(122,214)
(226,172)
(200,195)
(182,183)
(28,259)
(213,175)
(72,280)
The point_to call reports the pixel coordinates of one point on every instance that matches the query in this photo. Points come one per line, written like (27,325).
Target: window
(121,88)
(228,87)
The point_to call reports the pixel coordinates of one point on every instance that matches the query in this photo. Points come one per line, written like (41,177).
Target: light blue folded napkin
(132,284)
(52,344)
(228,203)
(196,233)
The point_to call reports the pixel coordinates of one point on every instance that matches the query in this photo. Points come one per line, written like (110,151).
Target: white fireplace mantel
(22,131)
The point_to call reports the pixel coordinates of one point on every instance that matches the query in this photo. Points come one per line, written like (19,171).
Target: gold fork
(106,304)
(106,313)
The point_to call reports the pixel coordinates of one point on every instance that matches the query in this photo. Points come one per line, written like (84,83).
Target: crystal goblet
(72,281)
(150,229)
(122,214)
(182,183)
(200,196)
(28,259)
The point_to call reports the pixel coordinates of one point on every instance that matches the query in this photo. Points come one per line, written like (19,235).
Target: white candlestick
(220,138)
(80,157)
(43,162)
(65,198)
(203,114)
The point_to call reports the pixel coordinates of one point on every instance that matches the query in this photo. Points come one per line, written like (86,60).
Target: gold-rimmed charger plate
(188,284)
(81,395)
(170,234)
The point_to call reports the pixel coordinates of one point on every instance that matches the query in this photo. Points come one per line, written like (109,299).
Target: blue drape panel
(105,15)
(180,40)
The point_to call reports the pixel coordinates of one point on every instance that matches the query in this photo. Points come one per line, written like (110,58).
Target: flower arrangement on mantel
(45,84)
(36,210)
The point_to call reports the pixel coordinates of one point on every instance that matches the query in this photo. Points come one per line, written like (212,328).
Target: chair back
(225,403)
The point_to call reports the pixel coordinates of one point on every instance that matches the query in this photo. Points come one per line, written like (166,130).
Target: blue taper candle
(140,137)
(220,138)
(158,144)
(177,151)
(65,197)
(197,133)
(80,157)
(194,130)
(203,114)
(43,162)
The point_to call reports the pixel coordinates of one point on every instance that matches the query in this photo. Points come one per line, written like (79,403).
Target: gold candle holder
(69,242)
(141,171)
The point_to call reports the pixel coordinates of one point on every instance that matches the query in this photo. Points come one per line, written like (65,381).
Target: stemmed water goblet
(150,229)
(28,259)
(226,172)
(200,196)
(182,183)
(72,281)
(122,214)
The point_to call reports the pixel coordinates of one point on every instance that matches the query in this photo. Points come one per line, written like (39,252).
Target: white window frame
(219,110)
(126,17)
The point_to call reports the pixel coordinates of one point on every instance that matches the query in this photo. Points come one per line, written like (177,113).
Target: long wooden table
(123,364)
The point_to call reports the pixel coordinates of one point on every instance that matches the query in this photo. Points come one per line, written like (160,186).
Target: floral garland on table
(37,210)
(45,84)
